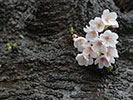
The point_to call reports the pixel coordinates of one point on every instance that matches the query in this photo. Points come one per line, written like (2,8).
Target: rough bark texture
(43,67)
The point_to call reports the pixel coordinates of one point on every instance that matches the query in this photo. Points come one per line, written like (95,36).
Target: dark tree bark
(44,67)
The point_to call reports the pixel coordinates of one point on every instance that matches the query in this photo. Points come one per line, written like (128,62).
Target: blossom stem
(106,27)
(72,30)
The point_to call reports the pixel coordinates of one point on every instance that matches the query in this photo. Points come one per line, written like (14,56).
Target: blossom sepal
(110,68)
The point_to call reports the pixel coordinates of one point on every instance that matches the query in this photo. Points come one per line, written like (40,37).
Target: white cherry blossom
(109,18)
(109,38)
(84,59)
(98,49)
(88,50)
(111,53)
(78,43)
(90,55)
(91,33)
(99,46)
(97,24)
(102,62)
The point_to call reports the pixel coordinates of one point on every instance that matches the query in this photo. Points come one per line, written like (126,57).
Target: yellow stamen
(99,25)
(107,38)
(107,19)
(108,53)
(93,32)
(81,40)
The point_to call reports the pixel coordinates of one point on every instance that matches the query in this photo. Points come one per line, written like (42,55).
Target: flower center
(81,40)
(108,53)
(107,38)
(99,25)
(102,59)
(90,48)
(93,32)
(99,43)
(107,19)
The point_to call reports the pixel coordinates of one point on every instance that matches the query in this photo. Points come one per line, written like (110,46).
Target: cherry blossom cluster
(99,44)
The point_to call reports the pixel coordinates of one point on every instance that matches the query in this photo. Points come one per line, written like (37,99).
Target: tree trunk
(43,65)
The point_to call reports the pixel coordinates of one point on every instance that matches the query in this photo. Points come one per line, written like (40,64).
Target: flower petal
(97,60)
(90,62)
(81,59)
(100,65)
